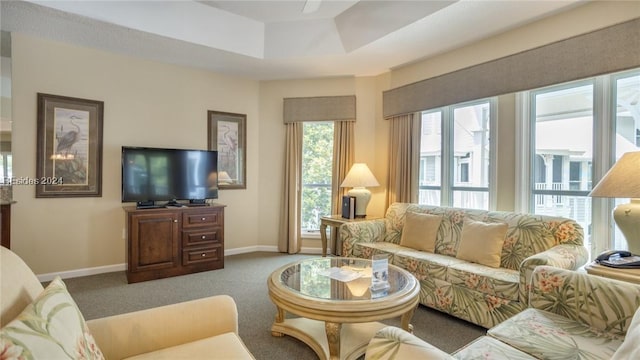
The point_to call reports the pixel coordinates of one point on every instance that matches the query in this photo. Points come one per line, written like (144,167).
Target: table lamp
(623,181)
(224,178)
(359,178)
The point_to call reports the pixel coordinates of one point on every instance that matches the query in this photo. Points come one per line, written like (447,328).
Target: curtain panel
(404,158)
(343,154)
(320,108)
(611,49)
(290,239)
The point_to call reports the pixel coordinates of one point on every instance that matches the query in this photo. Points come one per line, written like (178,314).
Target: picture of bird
(67,139)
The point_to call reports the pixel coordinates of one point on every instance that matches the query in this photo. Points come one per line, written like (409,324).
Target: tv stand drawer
(201,237)
(201,217)
(200,255)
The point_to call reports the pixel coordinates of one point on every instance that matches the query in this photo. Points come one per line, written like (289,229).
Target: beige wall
(154,104)
(146,104)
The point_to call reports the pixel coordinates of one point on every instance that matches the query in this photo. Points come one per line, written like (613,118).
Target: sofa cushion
(482,242)
(486,347)
(629,348)
(367,250)
(499,282)
(223,346)
(420,230)
(547,335)
(425,265)
(51,327)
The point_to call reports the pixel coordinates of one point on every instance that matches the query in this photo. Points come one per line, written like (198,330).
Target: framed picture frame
(69,147)
(227,134)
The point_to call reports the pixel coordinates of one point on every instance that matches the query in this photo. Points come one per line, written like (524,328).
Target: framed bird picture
(69,158)
(227,134)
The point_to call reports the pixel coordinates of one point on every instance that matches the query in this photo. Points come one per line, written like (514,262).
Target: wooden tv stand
(173,241)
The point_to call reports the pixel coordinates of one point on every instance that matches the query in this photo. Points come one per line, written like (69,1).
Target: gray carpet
(245,279)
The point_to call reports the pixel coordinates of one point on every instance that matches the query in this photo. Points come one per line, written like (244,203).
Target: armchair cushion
(547,335)
(51,327)
(486,347)
(225,346)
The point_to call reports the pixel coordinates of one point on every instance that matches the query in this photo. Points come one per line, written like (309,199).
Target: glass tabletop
(334,278)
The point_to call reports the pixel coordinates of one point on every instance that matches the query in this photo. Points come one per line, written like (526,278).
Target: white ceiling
(266,40)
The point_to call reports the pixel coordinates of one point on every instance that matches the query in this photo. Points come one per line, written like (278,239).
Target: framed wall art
(69,158)
(227,135)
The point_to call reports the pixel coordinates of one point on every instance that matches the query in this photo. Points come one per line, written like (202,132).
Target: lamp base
(362,196)
(627,217)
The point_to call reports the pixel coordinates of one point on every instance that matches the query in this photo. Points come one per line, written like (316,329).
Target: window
(454,169)
(574,130)
(5,167)
(317,169)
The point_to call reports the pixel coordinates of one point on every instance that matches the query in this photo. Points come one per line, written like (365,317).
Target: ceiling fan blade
(311,6)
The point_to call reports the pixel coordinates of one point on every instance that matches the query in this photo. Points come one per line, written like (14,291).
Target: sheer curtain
(404,158)
(342,160)
(290,239)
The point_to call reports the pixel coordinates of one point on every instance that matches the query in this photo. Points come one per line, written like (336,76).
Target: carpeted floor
(245,279)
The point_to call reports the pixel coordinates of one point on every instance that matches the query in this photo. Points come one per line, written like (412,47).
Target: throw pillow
(420,230)
(482,242)
(51,327)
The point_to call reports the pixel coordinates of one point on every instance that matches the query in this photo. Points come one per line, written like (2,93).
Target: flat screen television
(151,175)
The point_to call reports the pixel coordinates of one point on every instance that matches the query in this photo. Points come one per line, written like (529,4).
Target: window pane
(317,162)
(562,163)
(471,199)
(471,154)
(430,158)
(627,92)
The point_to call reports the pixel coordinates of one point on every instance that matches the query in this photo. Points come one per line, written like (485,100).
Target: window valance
(320,108)
(614,48)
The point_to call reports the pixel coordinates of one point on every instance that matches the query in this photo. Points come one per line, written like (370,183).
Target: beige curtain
(404,158)
(342,160)
(290,239)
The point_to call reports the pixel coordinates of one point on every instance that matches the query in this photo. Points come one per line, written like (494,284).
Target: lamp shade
(622,180)
(224,178)
(359,176)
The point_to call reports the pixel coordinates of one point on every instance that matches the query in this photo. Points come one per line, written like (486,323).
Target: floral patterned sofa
(481,294)
(571,315)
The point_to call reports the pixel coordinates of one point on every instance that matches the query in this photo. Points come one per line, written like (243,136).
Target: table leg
(333,338)
(405,320)
(323,238)
(279,319)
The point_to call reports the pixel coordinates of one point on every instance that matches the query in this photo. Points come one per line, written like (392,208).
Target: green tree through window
(317,167)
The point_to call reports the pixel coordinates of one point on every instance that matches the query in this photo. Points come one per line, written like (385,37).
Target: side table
(335,221)
(629,275)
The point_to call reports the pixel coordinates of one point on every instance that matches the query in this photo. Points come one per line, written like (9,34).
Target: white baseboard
(122,267)
(82,272)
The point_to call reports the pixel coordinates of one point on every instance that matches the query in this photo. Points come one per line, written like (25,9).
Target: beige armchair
(204,328)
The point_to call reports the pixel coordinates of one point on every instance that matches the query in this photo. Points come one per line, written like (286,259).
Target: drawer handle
(204,237)
(204,219)
(175,220)
(203,254)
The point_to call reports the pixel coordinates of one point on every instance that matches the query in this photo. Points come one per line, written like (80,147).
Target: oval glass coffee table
(337,318)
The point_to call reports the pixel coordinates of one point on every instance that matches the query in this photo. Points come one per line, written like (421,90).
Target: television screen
(154,174)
